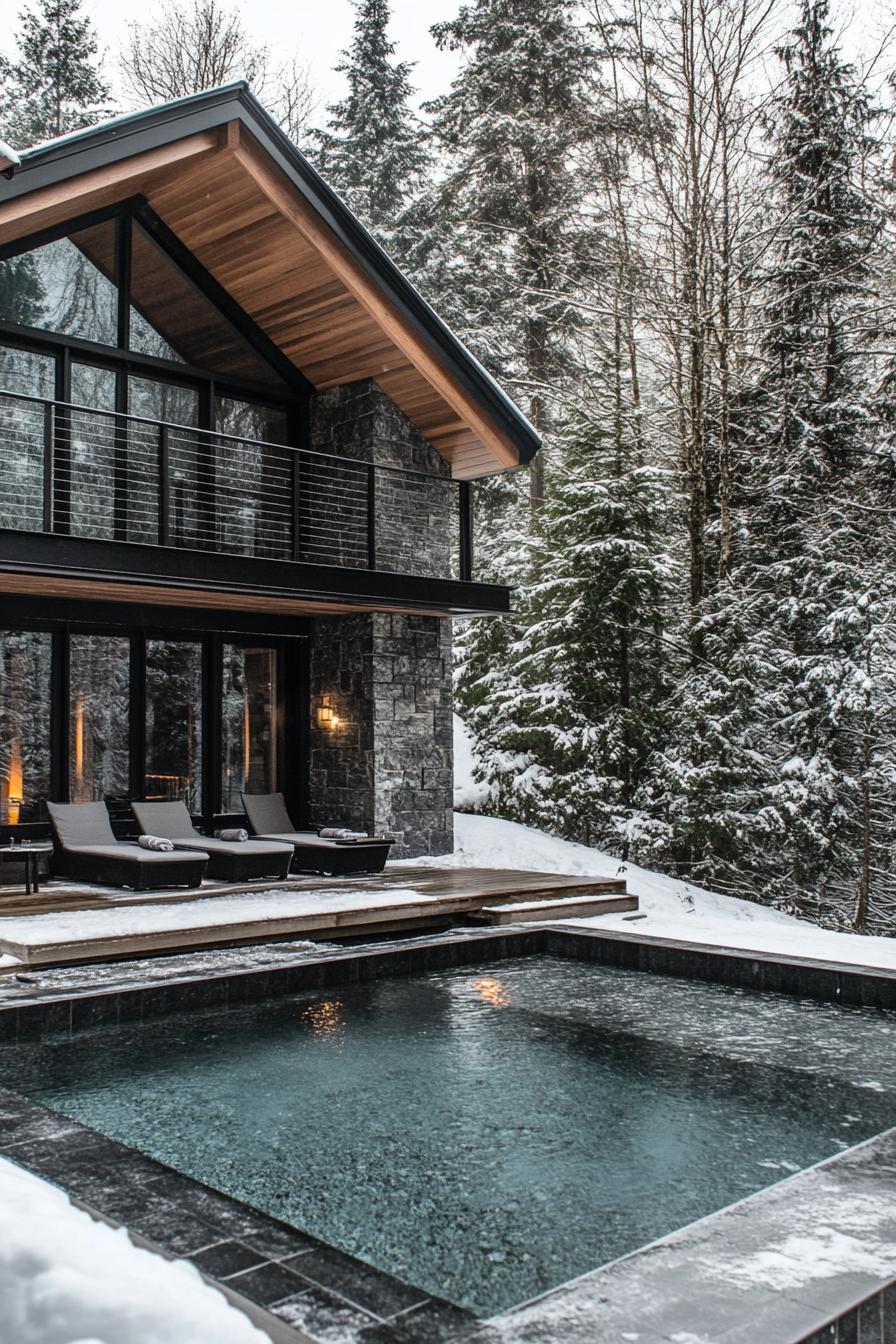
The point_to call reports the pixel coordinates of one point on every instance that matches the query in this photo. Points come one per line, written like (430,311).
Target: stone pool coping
(655,1293)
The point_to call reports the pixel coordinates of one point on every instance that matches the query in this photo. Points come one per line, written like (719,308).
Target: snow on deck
(73,926)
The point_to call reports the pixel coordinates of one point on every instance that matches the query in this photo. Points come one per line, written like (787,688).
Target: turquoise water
(485,1134)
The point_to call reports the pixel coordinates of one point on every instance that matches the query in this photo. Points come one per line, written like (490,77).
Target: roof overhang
(226,180)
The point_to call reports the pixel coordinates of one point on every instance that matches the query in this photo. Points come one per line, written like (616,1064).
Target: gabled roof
(233,188)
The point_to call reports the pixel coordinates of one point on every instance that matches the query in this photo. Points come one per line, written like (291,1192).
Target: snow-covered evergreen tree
(372,150)
(56,84)
(813,567)
(567,730)
(504,249)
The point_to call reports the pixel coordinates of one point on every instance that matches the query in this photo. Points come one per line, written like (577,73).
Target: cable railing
(105,475)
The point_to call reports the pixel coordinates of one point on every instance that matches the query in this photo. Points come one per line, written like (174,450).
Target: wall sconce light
(326,715)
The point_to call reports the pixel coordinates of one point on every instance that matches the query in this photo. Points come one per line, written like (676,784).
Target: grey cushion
(267,814)
(121,849)
(81,824)
(171,820)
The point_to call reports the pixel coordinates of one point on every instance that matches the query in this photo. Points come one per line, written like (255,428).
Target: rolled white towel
(233,833)
(341,833)
(158,842)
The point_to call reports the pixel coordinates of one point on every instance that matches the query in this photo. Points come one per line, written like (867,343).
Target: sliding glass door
(25,725)
(99,718)
(174,700)
(250,723)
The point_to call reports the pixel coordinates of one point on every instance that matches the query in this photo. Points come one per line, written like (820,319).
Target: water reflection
(492,991)
(326,1018)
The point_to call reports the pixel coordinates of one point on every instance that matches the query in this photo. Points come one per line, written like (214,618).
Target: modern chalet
(236,487)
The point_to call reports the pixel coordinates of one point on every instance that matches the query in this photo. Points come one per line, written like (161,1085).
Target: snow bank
(468,792)
(65,1279)
(673,908)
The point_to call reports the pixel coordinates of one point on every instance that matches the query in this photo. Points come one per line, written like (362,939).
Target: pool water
(485,1134)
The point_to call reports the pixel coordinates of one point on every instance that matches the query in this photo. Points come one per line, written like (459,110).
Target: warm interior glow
(491,991)
(14,782)
(246,736)
(79,738)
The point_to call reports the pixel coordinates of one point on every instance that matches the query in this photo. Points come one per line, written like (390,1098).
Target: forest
(666,226)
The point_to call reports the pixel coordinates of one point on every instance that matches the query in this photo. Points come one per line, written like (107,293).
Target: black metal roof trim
(135,132)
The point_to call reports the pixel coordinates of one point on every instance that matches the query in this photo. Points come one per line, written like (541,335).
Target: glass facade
(99,711)
(109,477)
(126,708)
(250,728)
(98,436)
(69,286)
(174,721)
(25,720)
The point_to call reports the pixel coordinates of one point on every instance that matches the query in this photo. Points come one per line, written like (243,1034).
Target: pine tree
(372,150)
(568,728)
(813,569)
(56,85)
(508,251)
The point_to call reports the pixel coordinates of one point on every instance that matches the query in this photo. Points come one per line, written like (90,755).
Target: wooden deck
(399,899)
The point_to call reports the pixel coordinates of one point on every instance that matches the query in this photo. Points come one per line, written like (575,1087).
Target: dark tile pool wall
(55,1014)
(47,1013)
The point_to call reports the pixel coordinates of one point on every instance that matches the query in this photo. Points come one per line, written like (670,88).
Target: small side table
(30,856)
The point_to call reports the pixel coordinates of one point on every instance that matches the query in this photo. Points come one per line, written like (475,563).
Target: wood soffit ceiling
(238,212)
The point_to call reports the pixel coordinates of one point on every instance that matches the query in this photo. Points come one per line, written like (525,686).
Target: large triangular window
(116,284)
(69,285)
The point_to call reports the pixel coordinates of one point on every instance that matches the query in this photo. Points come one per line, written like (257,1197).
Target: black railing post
(164,488)
(371,516)
(465,509)
(49,463)
(296,506)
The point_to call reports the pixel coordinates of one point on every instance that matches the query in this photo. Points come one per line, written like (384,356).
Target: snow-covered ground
(65,1279)
(673,908)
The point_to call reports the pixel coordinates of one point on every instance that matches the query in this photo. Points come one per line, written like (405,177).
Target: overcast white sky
(314,30)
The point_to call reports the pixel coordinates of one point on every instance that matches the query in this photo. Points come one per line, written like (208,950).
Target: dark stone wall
(388,767)
(416,518)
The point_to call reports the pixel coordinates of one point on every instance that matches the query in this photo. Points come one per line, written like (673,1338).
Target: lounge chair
(85,846)
(314,853)
(229,860)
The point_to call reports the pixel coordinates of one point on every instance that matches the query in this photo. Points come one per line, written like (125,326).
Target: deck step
(563,907)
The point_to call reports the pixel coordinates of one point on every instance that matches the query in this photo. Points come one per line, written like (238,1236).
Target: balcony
(109,495)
